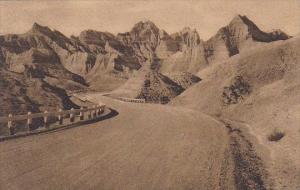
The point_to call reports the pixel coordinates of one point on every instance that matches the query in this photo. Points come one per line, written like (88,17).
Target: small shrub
(164,99)
(234,93)
(147,83)
(276,135)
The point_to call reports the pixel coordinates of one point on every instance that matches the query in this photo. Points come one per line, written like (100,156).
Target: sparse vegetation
(276,135)
(235,92)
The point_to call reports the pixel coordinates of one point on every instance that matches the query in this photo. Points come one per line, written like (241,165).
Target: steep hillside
(155,87)
(241,33)
(100,55)
(100,59)
(20,94)
(184,79)
(144,34)
(184,52)
(260,87)
(149,83)
(159,88)
(190,56)
(38,54)
(79,59)
(32,74)
(111,62)
(104,42)
(195,54)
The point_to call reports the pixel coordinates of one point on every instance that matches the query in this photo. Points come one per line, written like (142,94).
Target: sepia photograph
(149,94)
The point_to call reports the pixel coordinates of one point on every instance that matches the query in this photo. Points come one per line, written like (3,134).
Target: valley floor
(145,146)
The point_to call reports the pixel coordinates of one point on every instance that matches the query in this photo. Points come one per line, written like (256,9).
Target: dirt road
(143,146)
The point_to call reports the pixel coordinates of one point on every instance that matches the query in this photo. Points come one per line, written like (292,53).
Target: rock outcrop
(38,51)
(195,54)
(190,56)
(241,33)
(158,88)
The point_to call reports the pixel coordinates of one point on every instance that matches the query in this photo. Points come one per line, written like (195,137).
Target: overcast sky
(207,16)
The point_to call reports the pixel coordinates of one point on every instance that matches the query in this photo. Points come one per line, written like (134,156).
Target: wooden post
(94,111)
(72,116)
(98,110)
(10,124)
(60,117)
(29,121)
(81,114)
(89,113)
(103,108)
(46,124)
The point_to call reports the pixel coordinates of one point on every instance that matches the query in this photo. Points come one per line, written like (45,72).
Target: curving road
(144,146)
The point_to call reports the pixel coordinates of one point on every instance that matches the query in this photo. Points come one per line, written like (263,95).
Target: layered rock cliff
(190,56)
(106,62)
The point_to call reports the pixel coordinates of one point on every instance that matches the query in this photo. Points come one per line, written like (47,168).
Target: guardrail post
(72,116)
(46,124)
(81,114)
(60,117)
(29,121)
(98,110)
(10,124)
(89,114)
(94,111)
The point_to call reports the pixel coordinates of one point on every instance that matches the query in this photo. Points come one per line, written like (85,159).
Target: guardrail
(81,98)
(131,100)
(60,115)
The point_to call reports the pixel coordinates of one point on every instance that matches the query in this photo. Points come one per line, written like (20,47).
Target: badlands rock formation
(141,63)
(241,33)
(153,45)
(39,53)
(190,56)
(194,54)
(33,77)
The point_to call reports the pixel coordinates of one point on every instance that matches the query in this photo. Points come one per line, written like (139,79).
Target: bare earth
(143,147)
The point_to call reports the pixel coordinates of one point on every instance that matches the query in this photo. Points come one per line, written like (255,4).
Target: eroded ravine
(248,169)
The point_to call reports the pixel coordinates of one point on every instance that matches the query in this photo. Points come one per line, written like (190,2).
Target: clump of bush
(276,135)
(234,93)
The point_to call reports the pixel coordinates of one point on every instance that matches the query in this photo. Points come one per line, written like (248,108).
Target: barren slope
(260,87)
